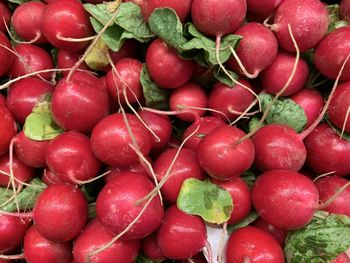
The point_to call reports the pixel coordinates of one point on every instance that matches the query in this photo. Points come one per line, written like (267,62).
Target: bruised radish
(181,235)
(185,166)
(79,103)
(257,50)
(231,101)
(66,60)
(66,19)
(12,231)
(30,152)
(60,212)
(251,244)
(27,21)
(262,7)
(331,53)
(278,233)
(8,129)
(165,66)
(38,249)
(187,98)
(70,157)
(110,140)
(122,193)
(308,20)
(5,16)
(285,199)
(94,236)
(282,67)
(182,8)
(24,94)
(150,248)
(221,154)
(6,56)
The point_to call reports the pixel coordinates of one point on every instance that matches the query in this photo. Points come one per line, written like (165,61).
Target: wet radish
(278,233)
(66,60)
(150,248)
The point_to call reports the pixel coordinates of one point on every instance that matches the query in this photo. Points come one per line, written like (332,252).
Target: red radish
(6,56)
(327,187)
(60,212)
(161,126)
(66,19)
(79,104)
(331,53)
(94,236)
(127,80)
(345,9)
(8,129)
(256,51)
(70,157)
(218,18)
(20,171)
(342,258)
(38,249)
(311,101)
(185,97)
(66,59)
(2,100)
(206,125)
(326,152)
(262,7)
(278,233)
(240,194)
(308,20)
(110,140)
(165,66)
(150,248)
(5,16)
(49,178)
(113,105)
(251,244)
(30,152)
(27,21)
(231,101)
(136,168)
(30,58)
(181,235)
(12,231)
(339,107)
(221,156)
(285,199)
(116,206)
(185,166)
(282,67)
(24,94)
(182,8)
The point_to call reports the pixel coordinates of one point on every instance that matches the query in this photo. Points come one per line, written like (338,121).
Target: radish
(342,258)
(165,66)
(38,249)
(30,58)
(116,207)
(67,59)
(50,178)
(65,20)
(221,156)
(182,8)
(79,104)
(256,51)
(5,16)
(125,84)
(251,244)
(24,94)
(278,233)
(110,140)
(180,235)
(230,101)
(282,67)
(8,129)
(190,98)
(12,231)
(185,166)
(345,9)
(308,20)
(27,21)
(150,248)
(331,53)
(6,56)
(327,187)
(30,152)
(70,157)
(240,194)
(2,100)
(95,235)
(296,194)
(136,168)
(263,7)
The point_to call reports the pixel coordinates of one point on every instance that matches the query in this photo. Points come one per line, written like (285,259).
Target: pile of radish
(174,131)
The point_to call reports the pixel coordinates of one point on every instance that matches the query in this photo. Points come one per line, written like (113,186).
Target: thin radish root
(36,38)
(241,66)
(244,113)
(70,39)
(12,176)
(81,182)
(266,22)
(333,197)
(222,242)
(161,112)
(23,215)
(205,109)
(210,251)
(19,181)
(345,121)
(323,175)
(12,257)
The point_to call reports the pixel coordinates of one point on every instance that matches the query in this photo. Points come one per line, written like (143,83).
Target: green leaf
(346,136)
(223,77)
(254,122)
(334,16)
(155,97)
(206,200)
(97,58)
(26,198)
(19,2)
(143,259)
(100,12)
(249,177)
(320,241)
(39,125)
(284,111)
(245,222)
